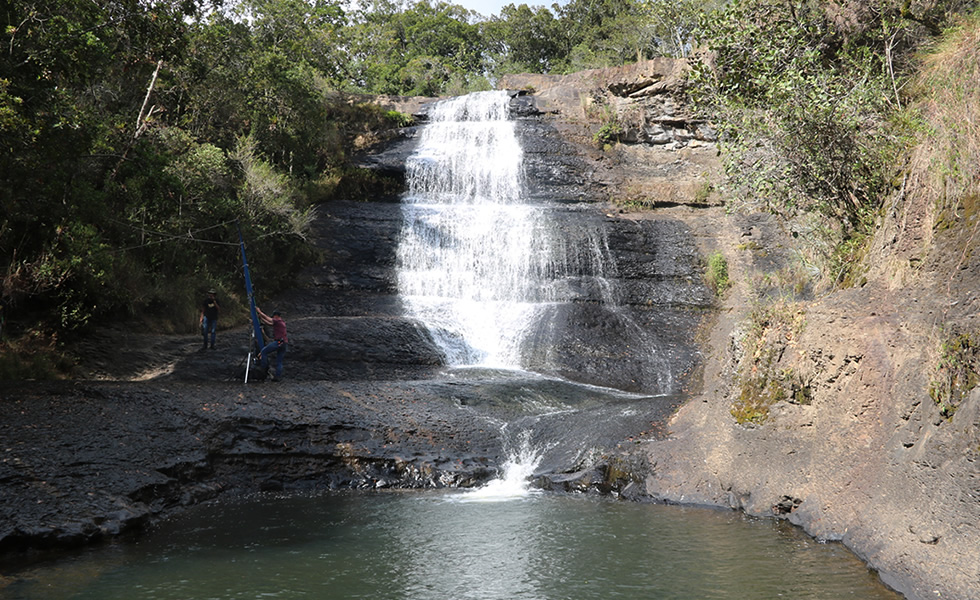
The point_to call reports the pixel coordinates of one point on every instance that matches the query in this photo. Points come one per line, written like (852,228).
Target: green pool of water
(454,546)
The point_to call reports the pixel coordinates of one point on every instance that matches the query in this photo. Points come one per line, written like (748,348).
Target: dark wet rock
(163,447)
(391,161)
(580,482)
(523,105)
(366,402)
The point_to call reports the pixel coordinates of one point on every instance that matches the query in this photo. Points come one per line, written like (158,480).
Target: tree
(422,49)
(116,123)
(526,39)
(602,33)
(73,71)
(801,94)
(672,25)
(306,31)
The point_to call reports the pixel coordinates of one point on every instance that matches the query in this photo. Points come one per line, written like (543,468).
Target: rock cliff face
(664,155)
(657,262)
(857,449)
(863,454)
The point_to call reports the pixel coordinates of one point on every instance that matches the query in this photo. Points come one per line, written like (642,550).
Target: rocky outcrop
(862,454)
(84,462)
(658,288)
(365,403)
(662,154)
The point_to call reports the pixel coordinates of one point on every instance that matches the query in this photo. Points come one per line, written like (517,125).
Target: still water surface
(455,546)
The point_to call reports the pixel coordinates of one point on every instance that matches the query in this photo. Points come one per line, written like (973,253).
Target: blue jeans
(280,352)
(209,326)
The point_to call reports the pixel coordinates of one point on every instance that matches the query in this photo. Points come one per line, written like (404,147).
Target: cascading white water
(514,481)
(474,260)
(499,281)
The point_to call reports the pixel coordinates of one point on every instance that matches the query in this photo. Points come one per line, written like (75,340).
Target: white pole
(248,361)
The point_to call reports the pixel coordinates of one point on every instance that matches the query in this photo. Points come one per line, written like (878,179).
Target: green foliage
(759,392)
(419,49)
(526,39)
(703,192)
(756,396)
(366,184)
(603,33)
(135,135)
(847,259)
(35,356)
(608,133)
(121,171)
(945,121)
(588,34)
(399,119)
(802,100)
(790,283)
(610,129)
(761,384)
(716,273)
(672,25)
(956,373)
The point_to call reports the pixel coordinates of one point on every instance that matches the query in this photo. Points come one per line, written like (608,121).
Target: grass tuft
(716,273)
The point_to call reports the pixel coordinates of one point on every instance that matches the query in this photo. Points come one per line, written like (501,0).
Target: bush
(399,119)
(956,374)
(608,133)
(716,273)
(761,384)
(802,101)
(947,156)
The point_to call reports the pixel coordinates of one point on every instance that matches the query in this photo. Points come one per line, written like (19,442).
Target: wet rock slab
(87,461)
(367,401)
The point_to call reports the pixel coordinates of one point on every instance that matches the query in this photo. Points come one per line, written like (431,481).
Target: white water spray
(515,480)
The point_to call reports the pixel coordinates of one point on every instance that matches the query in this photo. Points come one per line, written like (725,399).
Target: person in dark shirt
(209,318)
(278,343)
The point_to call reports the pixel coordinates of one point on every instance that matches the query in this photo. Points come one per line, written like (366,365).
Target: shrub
(801,101)
(716,273)
(399,119)
(770,328)
(608,133)
(956,373)
(947,98)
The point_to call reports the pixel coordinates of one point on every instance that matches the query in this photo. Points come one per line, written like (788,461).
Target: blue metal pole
(256,324)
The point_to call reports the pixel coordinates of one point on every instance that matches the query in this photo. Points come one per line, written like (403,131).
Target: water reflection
(478,551)
(421,546)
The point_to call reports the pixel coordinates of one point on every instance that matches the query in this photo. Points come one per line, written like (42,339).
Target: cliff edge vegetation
(845,399)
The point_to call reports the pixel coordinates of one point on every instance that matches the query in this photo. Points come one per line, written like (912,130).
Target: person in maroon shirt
(278,343)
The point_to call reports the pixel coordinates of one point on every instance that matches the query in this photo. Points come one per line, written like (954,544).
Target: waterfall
(477,263)
(502,280)
(514,481)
